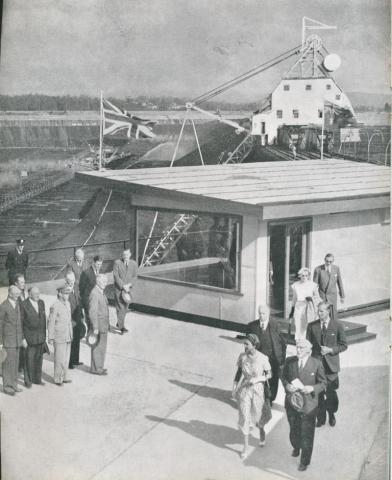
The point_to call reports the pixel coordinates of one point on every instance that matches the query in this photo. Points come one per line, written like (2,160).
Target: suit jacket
(335,338)
(87,282)
(59,322)
(123,274)
(76,269)
(278,342)
(99,310)
(34,324)
(329,283)
(16,262)
(76,306)
(11,330)
(312,374)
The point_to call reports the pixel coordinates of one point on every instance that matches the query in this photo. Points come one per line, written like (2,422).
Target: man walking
(77,319)
(328,340)
(124,275)
(17,261)
(329,281)
(34,331)
(11,339)
(60,334)
(303,376)
(99,317)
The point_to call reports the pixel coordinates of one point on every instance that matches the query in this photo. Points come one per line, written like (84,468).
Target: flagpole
(322,133)
(101,134)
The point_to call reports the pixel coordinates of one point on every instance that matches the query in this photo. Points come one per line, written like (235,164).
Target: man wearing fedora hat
(60,334)
(11,339)
(17,261)
(124,276)
(99,317)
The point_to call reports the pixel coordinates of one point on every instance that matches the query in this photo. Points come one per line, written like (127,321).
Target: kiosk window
(201,249)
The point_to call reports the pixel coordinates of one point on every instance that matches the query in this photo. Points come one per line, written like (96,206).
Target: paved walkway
(164,412)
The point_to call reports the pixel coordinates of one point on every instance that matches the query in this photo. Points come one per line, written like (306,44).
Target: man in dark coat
(124,276)
(272,344)
(77,319)
(11,339)
(34,331)
(329,281)
(20,282)
(87,283)
(76,265)
(17,261)
(328,340)
(304,375)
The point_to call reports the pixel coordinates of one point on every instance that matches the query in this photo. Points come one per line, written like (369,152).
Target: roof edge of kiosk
(255,188)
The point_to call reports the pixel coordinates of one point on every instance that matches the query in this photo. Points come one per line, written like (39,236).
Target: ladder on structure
(168,240)
(241,152)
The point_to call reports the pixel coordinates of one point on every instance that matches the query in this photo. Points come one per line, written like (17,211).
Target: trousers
(33,363)
(302,429)
(10,368)
(328,400)
(62,353)
(98,353)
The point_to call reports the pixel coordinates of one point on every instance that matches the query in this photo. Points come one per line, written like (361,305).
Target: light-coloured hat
(126,297)
(92,339)
(64,289)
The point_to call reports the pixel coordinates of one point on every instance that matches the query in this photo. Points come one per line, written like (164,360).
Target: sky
(182,47)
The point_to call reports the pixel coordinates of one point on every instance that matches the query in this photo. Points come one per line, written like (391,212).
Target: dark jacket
(87,282)
(76,306)
(312,374)
(16,263)
(329,283)
(74,267)
(335,339)
(278,342)
(11,330)
(34,324)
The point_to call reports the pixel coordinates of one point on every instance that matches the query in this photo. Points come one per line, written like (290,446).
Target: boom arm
(237,126)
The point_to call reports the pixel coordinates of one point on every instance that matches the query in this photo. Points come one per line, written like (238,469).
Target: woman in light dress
(248,387)
(305,301)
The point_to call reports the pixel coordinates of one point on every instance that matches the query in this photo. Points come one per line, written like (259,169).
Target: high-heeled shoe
(244,454)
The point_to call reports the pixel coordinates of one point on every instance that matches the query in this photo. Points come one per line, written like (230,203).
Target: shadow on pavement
(207,392)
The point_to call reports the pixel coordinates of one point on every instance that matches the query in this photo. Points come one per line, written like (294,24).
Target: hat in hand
(126,297)
(3,355)
(92,339)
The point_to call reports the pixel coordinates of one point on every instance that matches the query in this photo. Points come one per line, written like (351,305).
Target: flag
(116,119)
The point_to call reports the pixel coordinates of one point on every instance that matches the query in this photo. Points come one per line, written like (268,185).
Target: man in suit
(87,283)
(11,339)
(34,331)
(124,276)
(20,282)
(17,261)
(60,334)
(328,340)
(99,316)
(304,374)
(77,319)
(329,281)
(272,344)
(76,265)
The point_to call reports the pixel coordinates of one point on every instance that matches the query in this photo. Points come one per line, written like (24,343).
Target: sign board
(349,135)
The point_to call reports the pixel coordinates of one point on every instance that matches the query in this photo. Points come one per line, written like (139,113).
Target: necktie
(301,365)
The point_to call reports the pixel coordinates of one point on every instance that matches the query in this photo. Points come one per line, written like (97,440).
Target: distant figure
(17,261)
(248,387)
(76,265)
(124,276)
(11,339)
(78,328)
(34,331)
(60,334)
(304,379)
(87,283)
(329,280)
(99,316)
(293,148)
(304,304)
(328,340)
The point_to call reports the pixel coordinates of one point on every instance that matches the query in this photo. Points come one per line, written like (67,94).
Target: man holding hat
(99,317)
(11,339)
(17,261)
(60,334)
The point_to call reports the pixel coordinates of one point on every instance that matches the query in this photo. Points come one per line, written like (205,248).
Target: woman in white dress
(248,387)
(305,302)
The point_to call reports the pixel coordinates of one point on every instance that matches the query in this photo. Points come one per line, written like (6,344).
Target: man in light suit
(34,331)
(124,276)
(328,340)
(60,334)
(87,283)
(310,372)
(329,281)
(11,339)
(99,317)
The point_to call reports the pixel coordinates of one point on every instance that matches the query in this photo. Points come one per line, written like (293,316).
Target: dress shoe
(28,385)
(67,381)
(79,363)
(262,437)
(59,384)
(125,330)
(71,367)
(295,452)
(41,383)
(320,423)
(302,467)
(100,372)
(17,389)
(9,391)
(332,420)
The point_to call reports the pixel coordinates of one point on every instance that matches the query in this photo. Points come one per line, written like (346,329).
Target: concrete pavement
(164,412)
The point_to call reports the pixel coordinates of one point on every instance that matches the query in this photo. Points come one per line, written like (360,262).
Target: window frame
(286,87)
(295,113)
(279,114)
(308,87)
